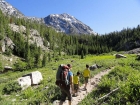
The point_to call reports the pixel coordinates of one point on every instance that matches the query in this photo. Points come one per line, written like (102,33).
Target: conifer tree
(44,61)
(82,55)
(49,57)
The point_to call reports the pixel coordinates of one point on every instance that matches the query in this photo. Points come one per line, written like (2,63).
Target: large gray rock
(93,67)
(30,79)
(36,77)
(8,68)
(24,82)
(120,56)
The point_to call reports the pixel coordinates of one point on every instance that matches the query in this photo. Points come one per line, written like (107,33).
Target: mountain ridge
(68,24)
(60,22)
(9,9)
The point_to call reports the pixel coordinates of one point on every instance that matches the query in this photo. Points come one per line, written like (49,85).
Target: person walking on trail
(76,83)
(86,74)
(66,91)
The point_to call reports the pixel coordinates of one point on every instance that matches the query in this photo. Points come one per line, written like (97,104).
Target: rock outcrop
(6,44)
(34,36)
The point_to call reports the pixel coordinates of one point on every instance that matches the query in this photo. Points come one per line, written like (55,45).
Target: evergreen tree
(44,61)
(82,55)
(49,57)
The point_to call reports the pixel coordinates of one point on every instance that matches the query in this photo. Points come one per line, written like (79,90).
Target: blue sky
(103,16)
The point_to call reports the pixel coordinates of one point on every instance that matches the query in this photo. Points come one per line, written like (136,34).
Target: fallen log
(107,94)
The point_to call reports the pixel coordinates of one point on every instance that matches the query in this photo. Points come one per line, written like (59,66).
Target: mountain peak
(61,22)
(67,24)
(9,9)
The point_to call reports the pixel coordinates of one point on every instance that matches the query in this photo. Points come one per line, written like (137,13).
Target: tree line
(81,45)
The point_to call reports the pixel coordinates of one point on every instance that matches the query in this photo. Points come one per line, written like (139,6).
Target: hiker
(86,74)
(76,83)
(65,92)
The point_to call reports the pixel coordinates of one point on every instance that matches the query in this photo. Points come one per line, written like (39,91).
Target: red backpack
(62,76)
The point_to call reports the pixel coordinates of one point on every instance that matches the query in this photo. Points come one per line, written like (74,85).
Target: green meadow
(124,77)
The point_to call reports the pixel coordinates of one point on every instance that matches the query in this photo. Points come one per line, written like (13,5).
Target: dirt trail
(92,84)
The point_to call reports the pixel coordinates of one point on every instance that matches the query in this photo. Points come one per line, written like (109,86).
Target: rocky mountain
(9,9)
(61,22)
(67,24)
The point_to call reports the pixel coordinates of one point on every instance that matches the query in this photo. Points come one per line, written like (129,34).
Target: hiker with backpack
(86,74)
(76,83)
(64,79)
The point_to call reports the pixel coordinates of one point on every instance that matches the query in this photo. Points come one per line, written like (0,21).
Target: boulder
(93,67)
(30,79)
(120,56)
(24,82)
(8,68)
(36,77)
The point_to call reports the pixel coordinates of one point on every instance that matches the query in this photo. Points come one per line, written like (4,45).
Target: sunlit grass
(124,76)
(47,91)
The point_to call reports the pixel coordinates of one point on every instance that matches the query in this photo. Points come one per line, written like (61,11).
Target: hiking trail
(93,82)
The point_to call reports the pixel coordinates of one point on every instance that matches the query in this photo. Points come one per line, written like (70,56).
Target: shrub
(1,67)
(20,66)
(1,37)
(28,93)
(138,58)
(11,87)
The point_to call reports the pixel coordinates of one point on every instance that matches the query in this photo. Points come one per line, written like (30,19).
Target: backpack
(62,76)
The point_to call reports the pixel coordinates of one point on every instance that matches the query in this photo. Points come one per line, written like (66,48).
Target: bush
(1,67)
(138,58)
(11,87)
(1,37)
(28,93)
(20,66)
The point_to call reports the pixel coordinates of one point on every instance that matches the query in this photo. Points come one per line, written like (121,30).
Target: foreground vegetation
(125,77)
(120,87)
